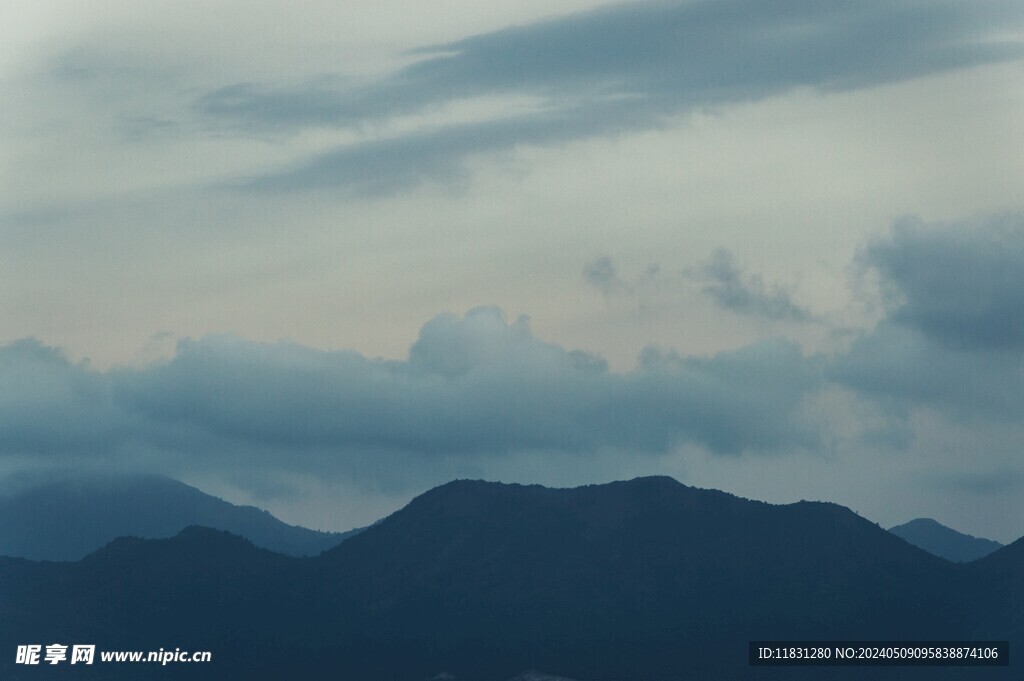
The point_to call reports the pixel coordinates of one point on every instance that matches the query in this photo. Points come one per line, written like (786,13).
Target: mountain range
(937,539)
(646,579)
(70,517)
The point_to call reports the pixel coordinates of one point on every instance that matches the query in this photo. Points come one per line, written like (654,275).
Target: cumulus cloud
(475,386)
(472,385)
(622,67)
(953,334)
(959,284)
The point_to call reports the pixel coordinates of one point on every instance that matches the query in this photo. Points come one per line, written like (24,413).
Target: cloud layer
(482,393)
(471,386)
(623,67)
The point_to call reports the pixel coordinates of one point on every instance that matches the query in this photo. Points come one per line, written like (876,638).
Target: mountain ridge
(68,518)
(643,579)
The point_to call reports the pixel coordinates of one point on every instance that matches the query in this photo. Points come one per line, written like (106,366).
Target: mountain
(945,542)
(68,518)
(512,576)
(646,579)
(997,581)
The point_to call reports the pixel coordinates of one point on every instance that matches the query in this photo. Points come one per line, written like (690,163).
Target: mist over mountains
(68,518)
(646,579)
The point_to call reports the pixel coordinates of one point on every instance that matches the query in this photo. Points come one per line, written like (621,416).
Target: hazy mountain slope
(945,542)
(67,519)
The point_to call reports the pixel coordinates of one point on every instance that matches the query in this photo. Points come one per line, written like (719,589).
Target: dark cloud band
(471,386)
(624,67)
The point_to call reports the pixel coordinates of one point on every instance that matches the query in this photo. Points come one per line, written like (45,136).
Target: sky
(321,258)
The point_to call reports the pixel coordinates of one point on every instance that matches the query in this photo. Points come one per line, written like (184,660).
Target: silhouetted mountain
(646,579)
(998,581)
(66,519)
(945,542)
(670,573)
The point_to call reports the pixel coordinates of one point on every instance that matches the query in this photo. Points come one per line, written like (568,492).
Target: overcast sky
(322,257)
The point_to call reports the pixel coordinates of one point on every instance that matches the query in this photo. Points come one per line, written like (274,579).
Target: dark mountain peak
(192,539)
(654,501)
(616,522)
(194,549)
(597,503)
(943,541)
(649,482)
(654,484)
(198,534)
(470,486)
(825,509)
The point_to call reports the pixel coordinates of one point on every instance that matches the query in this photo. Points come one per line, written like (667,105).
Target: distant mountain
(67,519)
(945,542)
(646,580)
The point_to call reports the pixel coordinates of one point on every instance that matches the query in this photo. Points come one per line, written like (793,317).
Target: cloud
(959,284)
(618,68)
(478,390)
(979,483)
(900,365)
(49,406)
(386,165)
(473,387)
(602,274)
(730,289)
(718,277)
(953,334)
